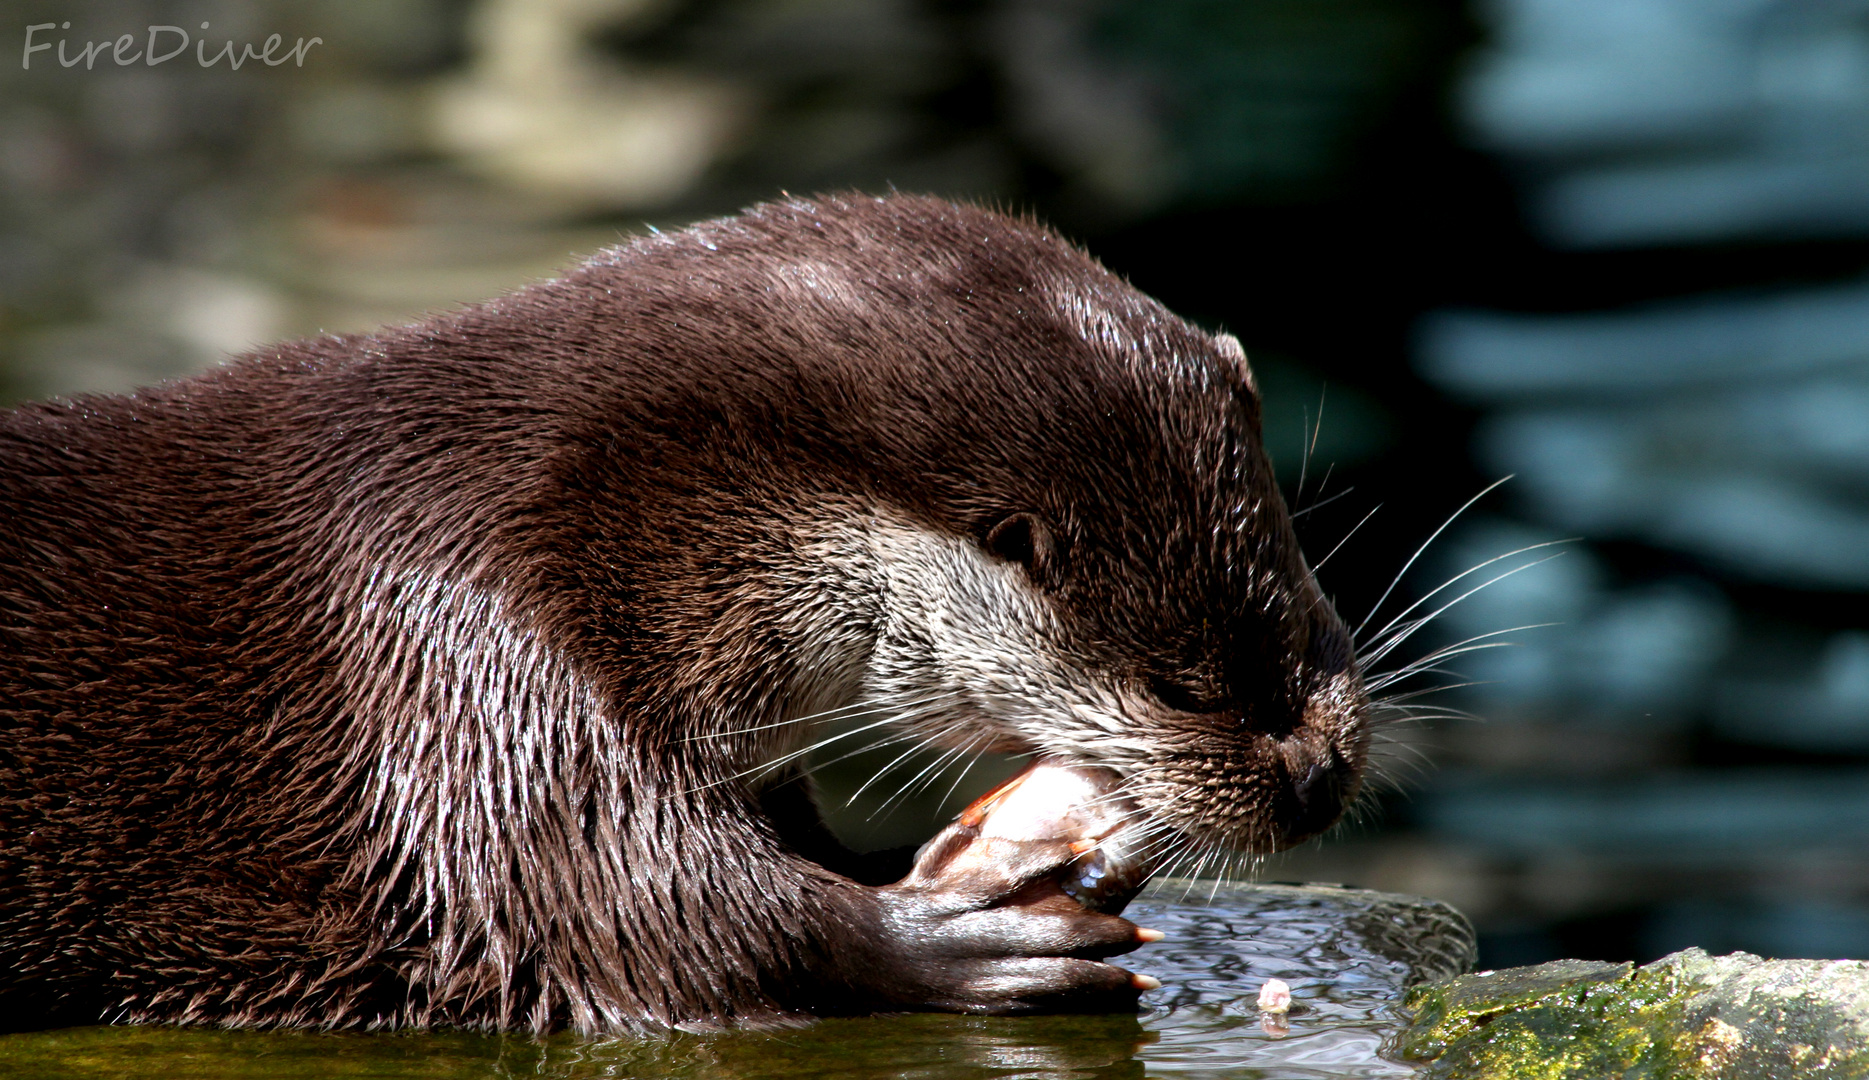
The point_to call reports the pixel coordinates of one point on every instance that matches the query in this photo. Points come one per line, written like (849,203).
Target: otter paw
(1042,985)
(1002,937)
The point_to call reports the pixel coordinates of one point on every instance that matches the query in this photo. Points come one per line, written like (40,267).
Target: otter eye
(1182,698)
(1023,538)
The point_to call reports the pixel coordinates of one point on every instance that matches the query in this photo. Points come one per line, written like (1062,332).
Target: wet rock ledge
(1687,1015)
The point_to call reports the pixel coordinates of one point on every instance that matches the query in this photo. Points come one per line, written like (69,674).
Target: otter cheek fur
(453,674)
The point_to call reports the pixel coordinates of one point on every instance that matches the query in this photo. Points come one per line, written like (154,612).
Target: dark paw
(999,934)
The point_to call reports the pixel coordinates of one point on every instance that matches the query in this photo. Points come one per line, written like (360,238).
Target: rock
(1687,1015)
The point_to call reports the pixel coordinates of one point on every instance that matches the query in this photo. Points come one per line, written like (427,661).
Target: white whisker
(1321,503)
(1458,647)
(926,742)
(911,710)
(866,705)
(1416,624)
(1384,598)
(948,796)
(1465,573)
(1346,538)
(932,767)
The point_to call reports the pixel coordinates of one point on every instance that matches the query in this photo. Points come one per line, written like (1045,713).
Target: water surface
(1346,953)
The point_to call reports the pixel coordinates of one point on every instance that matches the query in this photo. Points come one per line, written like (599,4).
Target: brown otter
(426,677)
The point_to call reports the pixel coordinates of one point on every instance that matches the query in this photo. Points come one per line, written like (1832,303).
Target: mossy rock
(1687,1015)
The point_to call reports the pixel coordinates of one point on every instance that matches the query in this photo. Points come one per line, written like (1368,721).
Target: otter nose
(1316,793)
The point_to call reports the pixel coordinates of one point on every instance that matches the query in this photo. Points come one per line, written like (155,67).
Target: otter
(448,675)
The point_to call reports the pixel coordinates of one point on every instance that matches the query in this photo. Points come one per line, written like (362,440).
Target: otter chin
(454,674)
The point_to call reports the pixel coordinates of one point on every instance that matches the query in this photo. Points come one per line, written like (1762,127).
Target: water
(1346,953)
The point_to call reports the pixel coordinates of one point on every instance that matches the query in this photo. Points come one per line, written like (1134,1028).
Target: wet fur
(425,677)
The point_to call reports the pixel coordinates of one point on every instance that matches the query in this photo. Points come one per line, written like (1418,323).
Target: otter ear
(1235,354)
(1024,538)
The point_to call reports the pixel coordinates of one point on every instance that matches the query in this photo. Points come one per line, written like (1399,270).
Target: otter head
(1024,506)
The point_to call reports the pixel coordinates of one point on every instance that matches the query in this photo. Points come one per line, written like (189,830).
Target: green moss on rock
(1688,1015)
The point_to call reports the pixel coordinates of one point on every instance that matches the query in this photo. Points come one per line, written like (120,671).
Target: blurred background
(1618,249)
